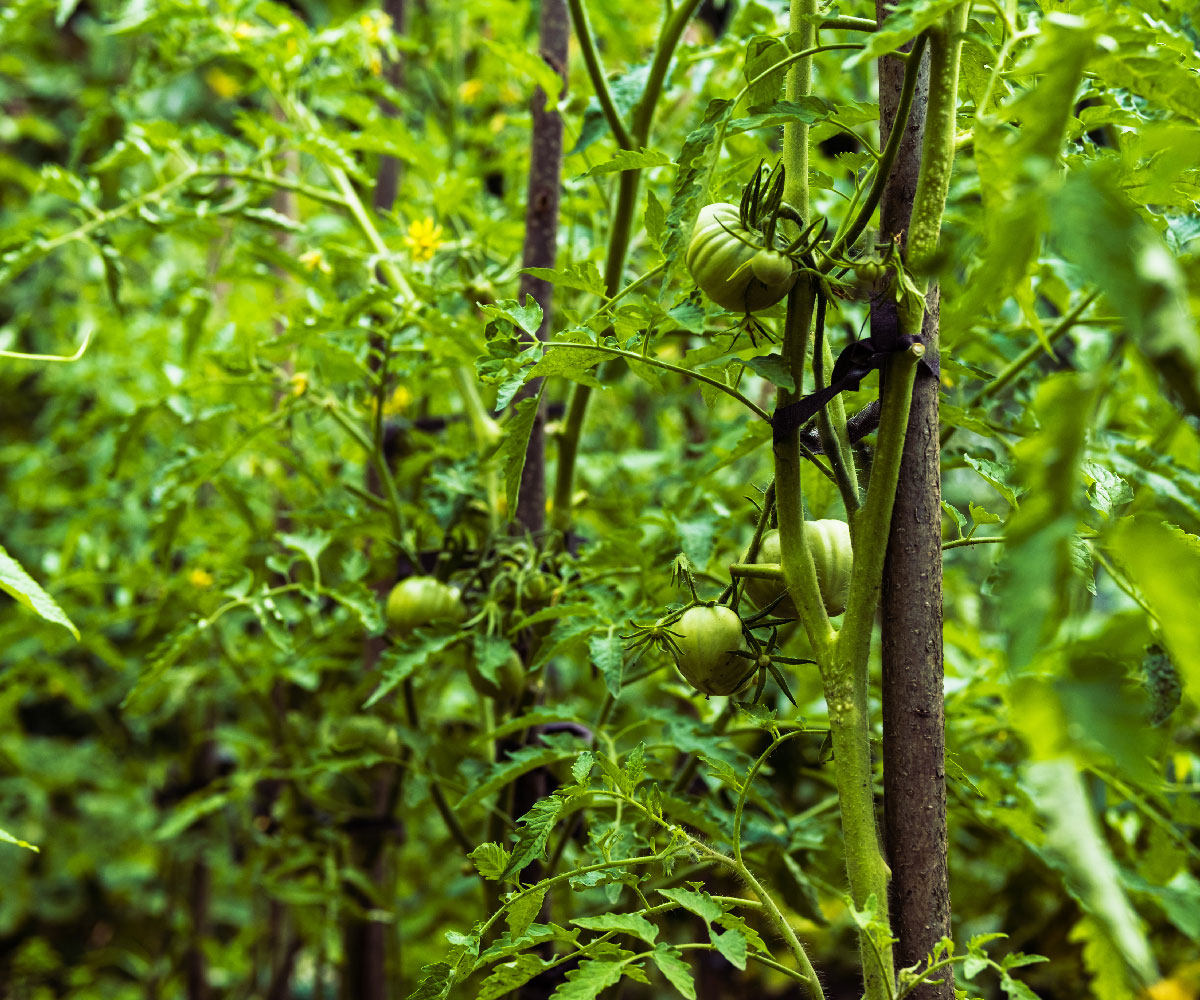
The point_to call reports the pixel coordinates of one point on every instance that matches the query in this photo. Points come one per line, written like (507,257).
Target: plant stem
(799,85)
(757,410)
(619,236)
(846,679)
(883,169)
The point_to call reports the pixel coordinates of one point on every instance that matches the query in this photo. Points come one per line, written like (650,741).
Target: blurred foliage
(262,435)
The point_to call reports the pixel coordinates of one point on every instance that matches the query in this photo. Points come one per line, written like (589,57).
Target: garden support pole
(541,243)
(913,714)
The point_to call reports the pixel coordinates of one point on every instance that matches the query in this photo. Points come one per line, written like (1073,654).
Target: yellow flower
(244,31)
(222,84)
(200,578)
(497,122)
(315,260)
(469,91)
(299,383)
(424,237)
(374,27)
(376,64)
(398,402)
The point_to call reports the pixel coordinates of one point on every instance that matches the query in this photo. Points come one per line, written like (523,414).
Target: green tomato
(422,600)
(833,557)
(730,267)
(708,639)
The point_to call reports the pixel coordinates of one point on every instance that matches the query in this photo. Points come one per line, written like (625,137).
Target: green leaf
(490,860)
(514,448)
(607,651)
(19,584)
(998,476)
(536,826)
(699,903)
(655,220)
(630,159)
(527,317)
(584,277)
(772,368)
(1100,232)
(399,663)
(1075,845)
(525,63)
(635,766)
(762,53)
(906,20)
(521,914)
(435,982)
(731,944)
(1034,594)
(628,923)
(1164,564)
(675,970)
(506,979)
(557,746)
(589,979)
(582,768)
(956,515)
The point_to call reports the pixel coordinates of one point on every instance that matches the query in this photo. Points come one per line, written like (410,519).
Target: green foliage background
(201,493)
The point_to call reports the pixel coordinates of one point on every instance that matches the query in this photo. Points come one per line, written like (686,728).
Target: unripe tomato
(833,556)
(707,639)
(422,600)
(730,266)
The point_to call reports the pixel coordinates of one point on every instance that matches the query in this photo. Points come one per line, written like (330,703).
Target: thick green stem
(937,150)
(799,86)
(846,677)
(799,571)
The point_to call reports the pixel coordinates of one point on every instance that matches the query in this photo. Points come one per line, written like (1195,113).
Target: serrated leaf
(521,914)
(514,447)
(568,362)
(655,219)
(528,316)
(582,767)
(556,747)
(998,476)
(506,979)
(630,159)
(490,860)
(607,652)
(772,368)
(585,277)
(675,970)
(361,600)
(27,591)
(536,826)
(435,982)
(589,980)
(699,903)
(956,515)
(399,663)
(635,766)
(906,20)
(628,923)
(731,944)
